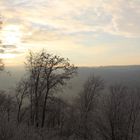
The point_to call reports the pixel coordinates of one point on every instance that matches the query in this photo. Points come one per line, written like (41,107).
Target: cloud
(1,51)
(119,17)
(89,28)
(8,46)
(125,17)
(4,48)
(9,49)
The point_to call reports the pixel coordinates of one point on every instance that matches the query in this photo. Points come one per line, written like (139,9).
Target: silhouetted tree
(118,115)
(87,100)
(47,72)
(6,105)
(21,94)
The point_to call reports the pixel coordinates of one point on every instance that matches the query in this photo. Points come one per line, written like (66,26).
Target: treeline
(36,112)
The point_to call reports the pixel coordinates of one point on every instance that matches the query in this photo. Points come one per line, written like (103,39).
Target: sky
(88,32)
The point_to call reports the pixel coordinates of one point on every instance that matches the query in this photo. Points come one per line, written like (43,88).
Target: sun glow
(11,35)
(7,56)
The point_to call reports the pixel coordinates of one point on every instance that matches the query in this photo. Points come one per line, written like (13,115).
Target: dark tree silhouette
(47,73)
(21,93)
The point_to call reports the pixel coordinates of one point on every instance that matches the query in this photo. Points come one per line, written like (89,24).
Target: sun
(11,35)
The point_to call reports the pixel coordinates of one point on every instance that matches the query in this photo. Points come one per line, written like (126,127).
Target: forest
(36,112)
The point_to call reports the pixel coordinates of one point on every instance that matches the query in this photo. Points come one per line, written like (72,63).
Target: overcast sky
(88,32)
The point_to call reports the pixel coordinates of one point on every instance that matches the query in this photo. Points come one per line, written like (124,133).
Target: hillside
(126,75)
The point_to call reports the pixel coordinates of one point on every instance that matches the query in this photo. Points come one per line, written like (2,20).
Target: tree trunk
(36,113)
(31,111)
(44,108)
(36,102)
(18,114)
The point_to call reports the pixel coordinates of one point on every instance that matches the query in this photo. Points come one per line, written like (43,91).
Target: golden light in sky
(11,35)
(7,56)
(88,32)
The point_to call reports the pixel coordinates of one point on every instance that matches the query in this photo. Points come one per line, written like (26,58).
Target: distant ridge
(128,75)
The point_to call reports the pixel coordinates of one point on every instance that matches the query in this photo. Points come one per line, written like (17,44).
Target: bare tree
(133,117)
(21,94)
(118,116)
(87,101)
(47,72)
(6,105)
